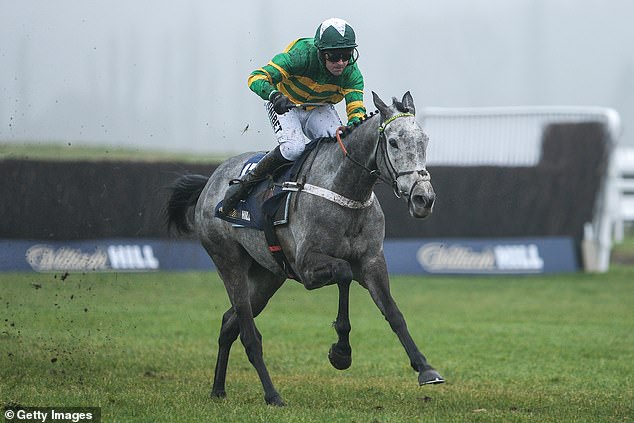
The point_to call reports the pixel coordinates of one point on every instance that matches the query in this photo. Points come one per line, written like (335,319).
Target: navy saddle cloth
(266,198)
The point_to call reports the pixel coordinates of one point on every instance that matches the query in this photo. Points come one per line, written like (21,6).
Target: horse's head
(401,154)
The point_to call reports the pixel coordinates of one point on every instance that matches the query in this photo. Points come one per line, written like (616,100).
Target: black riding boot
(239,189)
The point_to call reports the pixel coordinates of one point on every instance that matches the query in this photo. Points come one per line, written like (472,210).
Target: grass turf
(142,347)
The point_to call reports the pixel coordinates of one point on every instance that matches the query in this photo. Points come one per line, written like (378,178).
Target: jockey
(322,69)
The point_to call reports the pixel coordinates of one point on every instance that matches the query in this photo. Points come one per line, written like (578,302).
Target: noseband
(381,151)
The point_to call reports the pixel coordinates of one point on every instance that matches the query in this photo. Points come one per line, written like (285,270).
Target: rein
(394,174)
(347,155)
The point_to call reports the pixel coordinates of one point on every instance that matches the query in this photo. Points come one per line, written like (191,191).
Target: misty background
(167,75)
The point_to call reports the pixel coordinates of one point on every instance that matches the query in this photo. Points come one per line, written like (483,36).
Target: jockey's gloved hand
(281,103)
(353,122)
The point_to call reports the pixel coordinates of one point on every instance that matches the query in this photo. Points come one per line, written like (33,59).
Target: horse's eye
(393,142)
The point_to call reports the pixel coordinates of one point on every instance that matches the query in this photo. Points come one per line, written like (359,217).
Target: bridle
(380,151)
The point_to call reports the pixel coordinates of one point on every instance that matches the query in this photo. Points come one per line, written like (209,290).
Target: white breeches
(292,129)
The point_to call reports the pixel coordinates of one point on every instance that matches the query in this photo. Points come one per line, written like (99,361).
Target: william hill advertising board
(115,255)
(404,256)
(486,256)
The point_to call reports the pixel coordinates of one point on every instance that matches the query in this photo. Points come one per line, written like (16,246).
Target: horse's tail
(185,192)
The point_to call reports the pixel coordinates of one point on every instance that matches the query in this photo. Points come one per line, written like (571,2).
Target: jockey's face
(337,60)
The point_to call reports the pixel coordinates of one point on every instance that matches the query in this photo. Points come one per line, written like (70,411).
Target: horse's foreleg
(318,270)
(376,280)
(340,354)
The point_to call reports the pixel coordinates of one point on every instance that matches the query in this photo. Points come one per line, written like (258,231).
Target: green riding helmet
(334,33)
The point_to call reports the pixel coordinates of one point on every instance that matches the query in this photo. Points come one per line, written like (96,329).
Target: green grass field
(142,347)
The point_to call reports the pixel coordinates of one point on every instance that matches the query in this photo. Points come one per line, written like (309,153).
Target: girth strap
(272,239)
(276,250)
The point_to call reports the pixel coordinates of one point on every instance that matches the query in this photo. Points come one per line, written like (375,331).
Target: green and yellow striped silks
(299,73)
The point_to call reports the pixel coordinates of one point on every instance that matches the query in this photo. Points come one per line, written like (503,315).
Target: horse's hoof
(218,394)
(430,377)
(275,400)
(338,359)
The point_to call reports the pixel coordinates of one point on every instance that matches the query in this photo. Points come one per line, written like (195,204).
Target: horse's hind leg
(239,320)
(376,280)
(340,354)
(229,332)
(253,348)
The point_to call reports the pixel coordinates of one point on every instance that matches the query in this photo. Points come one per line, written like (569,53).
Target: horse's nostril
(423,200)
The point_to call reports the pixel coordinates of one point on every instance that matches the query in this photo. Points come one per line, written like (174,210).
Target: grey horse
(334,235)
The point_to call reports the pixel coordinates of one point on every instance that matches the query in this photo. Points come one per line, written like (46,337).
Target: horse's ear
(379,103)
(408,103)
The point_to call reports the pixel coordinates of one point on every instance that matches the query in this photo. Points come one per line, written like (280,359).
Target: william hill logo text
(130,257)
(458,258)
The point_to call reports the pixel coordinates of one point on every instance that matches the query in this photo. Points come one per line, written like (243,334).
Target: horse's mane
(349,129)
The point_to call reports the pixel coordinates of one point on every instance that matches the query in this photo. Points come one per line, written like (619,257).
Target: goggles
(336,55)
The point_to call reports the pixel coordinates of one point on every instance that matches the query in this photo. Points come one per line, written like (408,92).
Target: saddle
(268,204)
